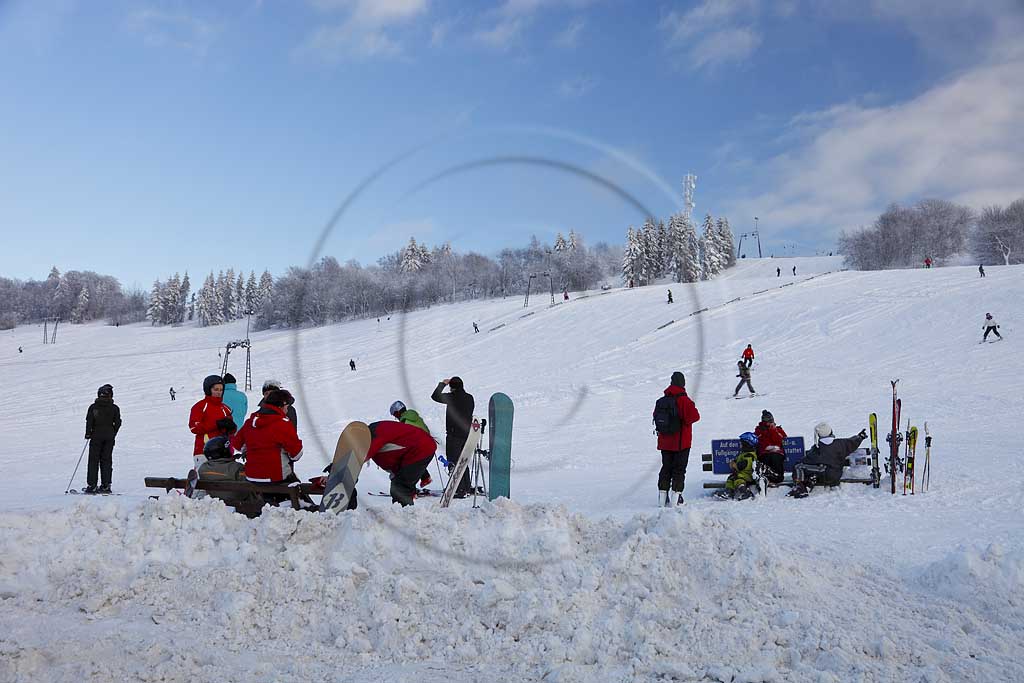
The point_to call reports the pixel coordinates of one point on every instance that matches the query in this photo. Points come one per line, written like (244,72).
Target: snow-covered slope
(579,578)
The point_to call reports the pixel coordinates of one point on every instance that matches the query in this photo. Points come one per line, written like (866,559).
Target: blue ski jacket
(238,402)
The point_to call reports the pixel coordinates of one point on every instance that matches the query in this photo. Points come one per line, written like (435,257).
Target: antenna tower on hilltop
(689,187)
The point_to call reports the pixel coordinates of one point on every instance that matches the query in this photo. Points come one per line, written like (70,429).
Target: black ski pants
(101,460)
(993,330)
(774,465)
(740,386)
(405,480)
(453,446)
(673,470)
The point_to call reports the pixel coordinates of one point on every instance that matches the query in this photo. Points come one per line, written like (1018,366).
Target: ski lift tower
(689,187)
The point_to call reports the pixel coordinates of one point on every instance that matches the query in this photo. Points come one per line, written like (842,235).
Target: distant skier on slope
(823,464)
(981,270)
(748,355)
(794,270)
(737,486)
(403,450)
(209,417)
(351,364)
(778,272)
(670,296)
(172,393)
(744,375)
(674,415)
(476,329)
(770,449)
(990,326)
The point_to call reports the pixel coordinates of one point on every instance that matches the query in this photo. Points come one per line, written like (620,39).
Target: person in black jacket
(457,422)
(823,463)
(102,421)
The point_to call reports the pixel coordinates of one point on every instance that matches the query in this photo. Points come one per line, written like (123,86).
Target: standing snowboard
(349,455)
(499,416)
(472,441)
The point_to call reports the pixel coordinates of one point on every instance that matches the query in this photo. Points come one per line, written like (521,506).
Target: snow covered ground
(579,577)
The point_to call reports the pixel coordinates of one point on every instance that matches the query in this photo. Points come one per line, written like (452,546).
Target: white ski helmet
(822,429)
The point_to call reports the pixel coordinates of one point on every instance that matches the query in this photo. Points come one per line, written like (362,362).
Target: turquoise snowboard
(499,422)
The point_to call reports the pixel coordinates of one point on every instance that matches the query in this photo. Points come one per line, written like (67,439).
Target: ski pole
(68,490)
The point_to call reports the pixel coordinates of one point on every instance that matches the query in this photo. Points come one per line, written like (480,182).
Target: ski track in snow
(578,578)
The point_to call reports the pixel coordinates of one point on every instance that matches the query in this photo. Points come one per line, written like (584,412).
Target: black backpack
(666,415)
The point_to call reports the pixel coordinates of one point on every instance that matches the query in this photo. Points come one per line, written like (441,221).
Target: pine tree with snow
(81,310)
(648,243)
(560,243)
(182,305)
(725,241)
(574,240)
(251,297)
(208,308)
(631,260)
(264,289)
(412,257)
(240,307)
(712,257)
(169,301)
(156,297)
(662,247)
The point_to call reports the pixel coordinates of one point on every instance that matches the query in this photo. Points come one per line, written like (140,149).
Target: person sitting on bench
(221,465)
(823,464)
(271,444)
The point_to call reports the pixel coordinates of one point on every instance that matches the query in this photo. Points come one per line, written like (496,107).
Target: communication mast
(689,187)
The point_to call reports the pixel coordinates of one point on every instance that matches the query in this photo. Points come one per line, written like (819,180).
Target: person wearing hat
(272,385)
(748,355)
(271,443)
(221,465)
(209,417)
(400,412)
(458,420)
(744,375)
(235,400)
(737,485)
(770,450)
(102,421)
(823,464)
(675,445)
(990,326)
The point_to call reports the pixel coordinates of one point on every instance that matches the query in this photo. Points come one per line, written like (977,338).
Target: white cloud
(570,37)
(177,29)
(506,23)
(366,31)
(714,33)
(960,140)
(501,35)
(576,87)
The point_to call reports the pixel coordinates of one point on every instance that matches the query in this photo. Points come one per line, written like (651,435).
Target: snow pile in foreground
(177,590)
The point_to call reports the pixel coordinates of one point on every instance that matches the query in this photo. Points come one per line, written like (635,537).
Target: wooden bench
(292,491)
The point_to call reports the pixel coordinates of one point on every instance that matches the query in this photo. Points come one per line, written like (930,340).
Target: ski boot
(104,490)
(799,491)
(723,494)
(89,490)
(742,492)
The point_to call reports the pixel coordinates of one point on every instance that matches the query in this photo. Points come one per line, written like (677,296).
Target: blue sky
(143,138)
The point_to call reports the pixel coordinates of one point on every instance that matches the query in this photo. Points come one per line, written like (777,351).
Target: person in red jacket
(770,450)
(675,447)
(209,417)
(403,450)
(748,356)
(270,441)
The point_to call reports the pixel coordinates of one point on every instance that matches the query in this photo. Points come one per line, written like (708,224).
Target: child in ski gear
(221,465)
(273,385)
(102,421)
(674,444)
(235,400)
(209,417)
(823,464)
(737,486)
(990,326)
(403,450)
(770,451)
(748,355)
(744,378)
(458,420)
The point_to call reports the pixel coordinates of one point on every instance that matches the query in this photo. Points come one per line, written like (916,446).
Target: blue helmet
(749,438)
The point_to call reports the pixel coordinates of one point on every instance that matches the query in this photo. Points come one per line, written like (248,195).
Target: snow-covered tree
(413,257)
(574,240)
(648,244)
(240,305)
(725,241)
(712,257)
(632,259)
(560,243)
(182,304)
(80,312)
(684,252)
(264,289)
(251,298)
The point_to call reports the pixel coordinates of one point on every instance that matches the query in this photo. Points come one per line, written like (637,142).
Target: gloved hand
(863,434)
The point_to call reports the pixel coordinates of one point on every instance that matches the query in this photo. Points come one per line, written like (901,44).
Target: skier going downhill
(674,415)
(990,326)
(770,450)
(102,421)
(744,375)
(823,464)
(748,355)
